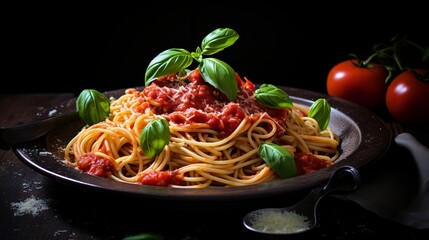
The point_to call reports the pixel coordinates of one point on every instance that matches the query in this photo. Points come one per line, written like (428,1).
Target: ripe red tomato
(364,85)
(407,98)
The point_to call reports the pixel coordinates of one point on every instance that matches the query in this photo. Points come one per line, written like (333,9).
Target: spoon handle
(29,131)
(344,179)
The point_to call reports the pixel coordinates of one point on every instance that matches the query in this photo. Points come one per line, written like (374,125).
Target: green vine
(398,55)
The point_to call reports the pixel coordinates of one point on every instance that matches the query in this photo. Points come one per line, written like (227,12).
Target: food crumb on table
(30,205)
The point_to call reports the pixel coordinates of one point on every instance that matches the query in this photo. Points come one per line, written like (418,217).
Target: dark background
(67,48)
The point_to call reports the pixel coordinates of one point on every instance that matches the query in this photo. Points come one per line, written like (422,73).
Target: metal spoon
(302,216)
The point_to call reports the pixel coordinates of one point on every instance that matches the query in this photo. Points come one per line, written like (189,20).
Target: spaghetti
(213,142)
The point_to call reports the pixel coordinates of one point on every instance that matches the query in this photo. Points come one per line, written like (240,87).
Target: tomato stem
(399,55)
(359,62)
(421,77)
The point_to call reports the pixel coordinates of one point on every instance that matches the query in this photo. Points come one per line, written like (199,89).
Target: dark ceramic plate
(364,138)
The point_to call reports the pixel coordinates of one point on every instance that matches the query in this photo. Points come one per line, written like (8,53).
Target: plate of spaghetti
(214,149)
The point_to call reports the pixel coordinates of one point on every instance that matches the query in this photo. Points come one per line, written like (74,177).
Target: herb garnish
(272,96)
(93,106)
(214,71)
(278,158)
(320,110)
(154,137)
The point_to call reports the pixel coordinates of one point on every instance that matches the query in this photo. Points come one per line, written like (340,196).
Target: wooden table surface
(68,212)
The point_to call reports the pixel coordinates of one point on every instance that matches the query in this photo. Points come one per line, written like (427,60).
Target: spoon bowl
(302,216)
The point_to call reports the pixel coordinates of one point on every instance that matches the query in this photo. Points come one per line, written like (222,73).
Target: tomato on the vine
(363,84)
(407,98)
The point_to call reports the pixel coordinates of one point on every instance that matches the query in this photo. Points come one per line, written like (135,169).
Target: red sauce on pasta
(94,165)
(193,101)
(163,178)
(308,163)
(102,167)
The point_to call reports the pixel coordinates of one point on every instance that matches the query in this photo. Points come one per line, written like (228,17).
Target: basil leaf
(320,110)
(167,62)
(154,137)
(279,159)
(144,236)
(220,75)
(218,40)
(93,106)
(272,96)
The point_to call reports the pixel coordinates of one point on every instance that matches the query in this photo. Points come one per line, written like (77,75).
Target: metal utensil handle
(344,179)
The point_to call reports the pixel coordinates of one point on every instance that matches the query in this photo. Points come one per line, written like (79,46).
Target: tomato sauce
(94,165)
(190,101)
(308,163)
(163,178)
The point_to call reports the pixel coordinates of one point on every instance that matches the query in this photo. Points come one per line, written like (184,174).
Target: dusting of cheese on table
(31,206)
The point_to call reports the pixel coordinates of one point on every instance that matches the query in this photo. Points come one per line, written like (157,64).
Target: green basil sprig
(154,137)
(218,40)
(320,110)
(272,96)
(92,106)
(219,74)
(167,62)
(214,71)
(279,159)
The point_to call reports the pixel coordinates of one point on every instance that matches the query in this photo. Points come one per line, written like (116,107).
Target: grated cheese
(52,112)
(45,153)
(31,206)
(280,222)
